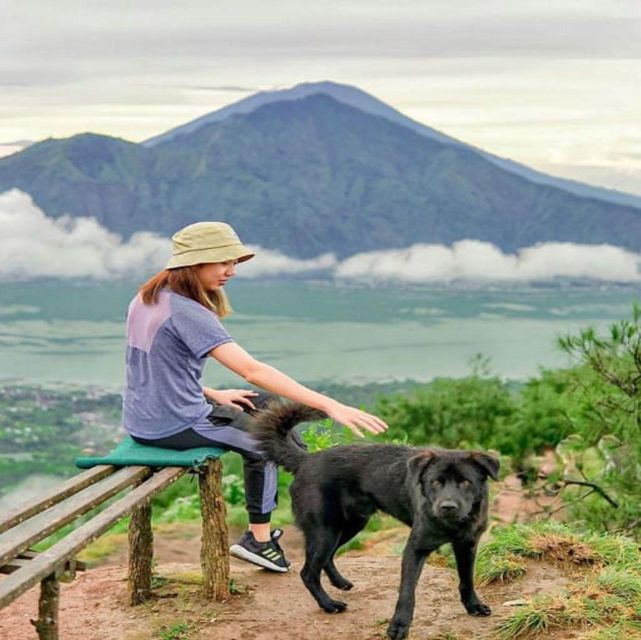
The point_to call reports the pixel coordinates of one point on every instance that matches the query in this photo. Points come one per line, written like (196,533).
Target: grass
(615,632)
(604,601)
(504,557)
(178,631)
(237,588)
(102,548)
(500,568)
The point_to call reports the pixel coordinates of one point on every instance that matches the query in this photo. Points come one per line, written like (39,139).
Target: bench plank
(56,494)
(50,560)
(46,522)
(19,562)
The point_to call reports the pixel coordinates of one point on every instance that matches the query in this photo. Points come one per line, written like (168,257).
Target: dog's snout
(448,506)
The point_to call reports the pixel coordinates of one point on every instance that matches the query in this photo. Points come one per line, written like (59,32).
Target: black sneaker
(268,555)
(275,534)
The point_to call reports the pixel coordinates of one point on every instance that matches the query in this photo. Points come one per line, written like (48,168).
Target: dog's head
(452,483)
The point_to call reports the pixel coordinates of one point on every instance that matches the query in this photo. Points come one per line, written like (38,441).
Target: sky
(554,85)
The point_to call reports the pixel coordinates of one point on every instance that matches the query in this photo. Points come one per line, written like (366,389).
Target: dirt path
(274,605)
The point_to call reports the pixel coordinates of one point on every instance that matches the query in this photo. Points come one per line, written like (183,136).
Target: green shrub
(465,412)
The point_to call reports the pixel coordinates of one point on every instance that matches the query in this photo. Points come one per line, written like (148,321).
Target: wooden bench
(23,527)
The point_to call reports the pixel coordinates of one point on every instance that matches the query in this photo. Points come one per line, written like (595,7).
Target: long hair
(185,281)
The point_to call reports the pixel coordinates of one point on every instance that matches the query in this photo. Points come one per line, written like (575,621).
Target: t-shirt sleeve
(199,328)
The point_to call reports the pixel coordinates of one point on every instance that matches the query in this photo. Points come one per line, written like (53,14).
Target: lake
(313,330)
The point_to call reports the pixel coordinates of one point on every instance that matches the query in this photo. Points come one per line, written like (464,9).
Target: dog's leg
(319,549)
(335,577)
(413,561)
(465,554)
(351,528)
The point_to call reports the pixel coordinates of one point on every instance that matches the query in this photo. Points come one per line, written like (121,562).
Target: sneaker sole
(240,552)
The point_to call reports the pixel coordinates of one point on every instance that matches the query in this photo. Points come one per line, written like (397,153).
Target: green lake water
(318,330)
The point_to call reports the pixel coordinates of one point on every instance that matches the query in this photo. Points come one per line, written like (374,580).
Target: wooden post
(141,553)
(47,623)
(214,550)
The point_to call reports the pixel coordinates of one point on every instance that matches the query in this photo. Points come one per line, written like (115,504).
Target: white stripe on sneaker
(244,554)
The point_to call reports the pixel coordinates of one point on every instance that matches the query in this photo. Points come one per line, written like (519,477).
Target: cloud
(625,175)
(223,88)
(7,148)
(475,261)
(35,246)
(44,48)
(268,262)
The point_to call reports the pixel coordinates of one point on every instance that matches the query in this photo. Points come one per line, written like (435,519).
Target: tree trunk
(47,623)
(141,552)
(214,551)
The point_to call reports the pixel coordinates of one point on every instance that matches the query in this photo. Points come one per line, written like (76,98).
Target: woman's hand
(237,398)
(355,419)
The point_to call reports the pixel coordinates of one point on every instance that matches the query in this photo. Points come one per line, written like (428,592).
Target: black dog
(440,494)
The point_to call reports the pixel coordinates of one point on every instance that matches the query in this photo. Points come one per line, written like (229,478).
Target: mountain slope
(86,174)
(359,99)
(307,177)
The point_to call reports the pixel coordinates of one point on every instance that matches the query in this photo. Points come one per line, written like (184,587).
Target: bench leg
(214,550)
(47,623)
(141,552)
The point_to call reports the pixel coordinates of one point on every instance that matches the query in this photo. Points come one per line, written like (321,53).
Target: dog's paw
(334,606)
(478,609)
(343,584)
(398,630)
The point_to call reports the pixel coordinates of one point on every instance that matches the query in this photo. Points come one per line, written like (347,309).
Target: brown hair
(185,281)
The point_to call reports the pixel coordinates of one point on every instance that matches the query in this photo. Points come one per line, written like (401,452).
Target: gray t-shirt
(167,347)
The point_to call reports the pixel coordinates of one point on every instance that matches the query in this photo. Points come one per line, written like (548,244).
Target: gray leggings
(230,430)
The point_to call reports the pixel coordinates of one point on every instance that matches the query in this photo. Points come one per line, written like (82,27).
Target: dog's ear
(489,464)
(419,462)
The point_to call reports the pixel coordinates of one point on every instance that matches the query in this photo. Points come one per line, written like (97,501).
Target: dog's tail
(272,427)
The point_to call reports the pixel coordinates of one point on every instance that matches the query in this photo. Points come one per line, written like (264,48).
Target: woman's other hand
(355,419)
(237,398)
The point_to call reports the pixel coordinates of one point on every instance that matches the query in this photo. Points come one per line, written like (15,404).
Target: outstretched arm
(235,358)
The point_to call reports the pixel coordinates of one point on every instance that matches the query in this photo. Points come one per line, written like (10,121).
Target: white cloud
(268,262)
(472,260)
(33,246)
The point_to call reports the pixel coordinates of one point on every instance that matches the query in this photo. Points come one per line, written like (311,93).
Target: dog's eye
(466,484)
(435,483)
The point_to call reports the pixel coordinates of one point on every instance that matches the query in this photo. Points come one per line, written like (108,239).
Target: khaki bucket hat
(206,242)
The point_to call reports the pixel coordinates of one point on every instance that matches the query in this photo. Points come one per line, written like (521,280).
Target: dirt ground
(272,605)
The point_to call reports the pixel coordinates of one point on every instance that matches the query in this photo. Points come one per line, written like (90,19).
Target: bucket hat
(206,242)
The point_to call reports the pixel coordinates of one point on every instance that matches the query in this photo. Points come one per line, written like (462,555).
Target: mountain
(85,175)
(308,176)
(359,99)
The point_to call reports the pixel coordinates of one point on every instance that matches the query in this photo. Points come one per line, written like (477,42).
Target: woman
(173,324)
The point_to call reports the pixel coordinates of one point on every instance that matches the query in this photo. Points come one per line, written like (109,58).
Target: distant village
(42,429)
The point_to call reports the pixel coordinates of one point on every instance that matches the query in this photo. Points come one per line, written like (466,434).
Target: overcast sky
(556,85)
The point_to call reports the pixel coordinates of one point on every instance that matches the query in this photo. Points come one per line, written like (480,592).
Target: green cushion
(129,452)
